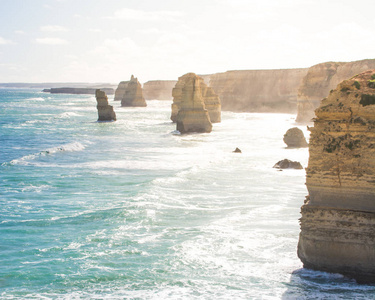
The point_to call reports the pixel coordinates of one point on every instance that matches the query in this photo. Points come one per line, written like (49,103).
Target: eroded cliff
(158,89)
(258,90)
(338,217)
(322,78)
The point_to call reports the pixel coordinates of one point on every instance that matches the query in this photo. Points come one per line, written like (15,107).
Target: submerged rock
(105,111)
(338,217)
(210,99)
(294,138)
(192,115)
(288,164)
(133,95)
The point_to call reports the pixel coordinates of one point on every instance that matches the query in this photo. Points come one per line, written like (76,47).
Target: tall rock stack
(105,111)
(133,95)
(338,217)
(210,99)
(192,115)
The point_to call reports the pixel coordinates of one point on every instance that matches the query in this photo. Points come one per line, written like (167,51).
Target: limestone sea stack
(210,99)
(294,138)
(133,95)
(192,115)
(338,217)
(105,111)
(120,91)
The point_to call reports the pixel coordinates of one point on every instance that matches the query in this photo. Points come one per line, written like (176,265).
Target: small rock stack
(294,138)
(105,111)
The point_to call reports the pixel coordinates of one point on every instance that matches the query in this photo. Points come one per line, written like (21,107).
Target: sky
(109,40)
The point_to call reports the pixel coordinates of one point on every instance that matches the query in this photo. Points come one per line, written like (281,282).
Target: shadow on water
(310,284)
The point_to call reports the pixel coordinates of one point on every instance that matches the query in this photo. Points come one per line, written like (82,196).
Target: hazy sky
(108,40)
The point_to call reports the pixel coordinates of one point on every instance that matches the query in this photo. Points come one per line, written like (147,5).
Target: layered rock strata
(322,78)
(192,115)
(158,89)
(133,95)
(210,99)
(105,111)
(294,138)
(338,217)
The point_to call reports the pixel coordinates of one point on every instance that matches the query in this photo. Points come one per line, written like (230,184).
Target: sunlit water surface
(131,209)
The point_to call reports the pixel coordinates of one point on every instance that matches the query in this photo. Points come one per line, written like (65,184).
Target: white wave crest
(71,147)
(36,99)
(67,115)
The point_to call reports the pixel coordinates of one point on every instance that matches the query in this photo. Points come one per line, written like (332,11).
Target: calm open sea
(133,210)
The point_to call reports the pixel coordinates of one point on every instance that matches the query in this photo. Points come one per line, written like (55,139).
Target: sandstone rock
(294,138)
(192,115)
(105,111)
(322,78)
(288,164)
(133,95)
(210,99)
(120,91)
(237,150)
(338,217)
(158,89)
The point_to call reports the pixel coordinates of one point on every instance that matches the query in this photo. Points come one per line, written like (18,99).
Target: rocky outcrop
(294,138)
(322,78)
(288,164)
(258,90)
(338,217)
(133,95)
(158,89)
(79,91)
(210,99)
(120,91)
(192,115)
(105,111)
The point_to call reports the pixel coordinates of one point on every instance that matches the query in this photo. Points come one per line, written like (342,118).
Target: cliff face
(258,90)
(192,115)
(105,111)
(210,99)
(322,78)
(133,95)
(338,217)
(158,89)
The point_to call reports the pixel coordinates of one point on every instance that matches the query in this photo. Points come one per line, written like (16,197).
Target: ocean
(133,210)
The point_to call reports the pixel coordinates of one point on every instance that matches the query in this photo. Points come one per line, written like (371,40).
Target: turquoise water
(133,210)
